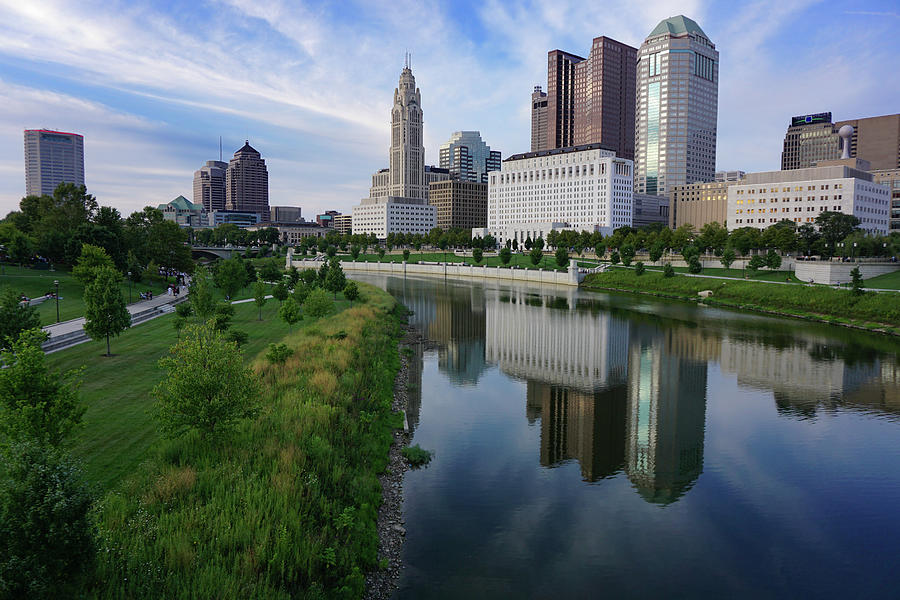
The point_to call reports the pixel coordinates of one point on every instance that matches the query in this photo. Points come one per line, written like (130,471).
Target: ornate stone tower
(407,169)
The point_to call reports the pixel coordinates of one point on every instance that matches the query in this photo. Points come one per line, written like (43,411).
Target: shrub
(668,270)
(417,456)
(639,268)
(317,304)
(694,265)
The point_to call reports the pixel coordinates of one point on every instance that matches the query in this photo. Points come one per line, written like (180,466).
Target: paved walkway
(70,333)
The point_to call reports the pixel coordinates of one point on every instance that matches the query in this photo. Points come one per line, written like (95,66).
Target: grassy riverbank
(870,311)
(284,508)
(522,261)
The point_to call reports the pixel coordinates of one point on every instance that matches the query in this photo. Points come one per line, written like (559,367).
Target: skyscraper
(538,119)
(407,167)
(591,101)
(247,183)
(677,107)
(209,185)
(468,158)
(51,158)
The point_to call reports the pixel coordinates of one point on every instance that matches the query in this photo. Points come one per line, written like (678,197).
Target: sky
(153,85)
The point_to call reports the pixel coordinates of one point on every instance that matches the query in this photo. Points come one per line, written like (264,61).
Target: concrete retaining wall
(570,277)
(839,272)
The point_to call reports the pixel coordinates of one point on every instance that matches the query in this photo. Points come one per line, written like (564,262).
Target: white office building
(382,216)
(581,188)
(800,195)
(51,158)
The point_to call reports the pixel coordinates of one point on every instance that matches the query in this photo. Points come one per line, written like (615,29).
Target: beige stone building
(697,204)
(459,203)
(875,139)
(247,183)
(891,179)
(343,224)
(538,119)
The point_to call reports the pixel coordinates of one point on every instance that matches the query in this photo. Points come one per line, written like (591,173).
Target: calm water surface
(590,445)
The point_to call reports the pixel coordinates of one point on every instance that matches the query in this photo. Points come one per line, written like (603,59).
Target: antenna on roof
(220,148)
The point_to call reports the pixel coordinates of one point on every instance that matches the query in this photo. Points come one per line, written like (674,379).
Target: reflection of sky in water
(768,463)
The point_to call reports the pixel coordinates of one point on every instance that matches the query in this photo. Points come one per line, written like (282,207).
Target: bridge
(224,252)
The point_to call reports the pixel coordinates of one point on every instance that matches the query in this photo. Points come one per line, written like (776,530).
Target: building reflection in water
(623,391)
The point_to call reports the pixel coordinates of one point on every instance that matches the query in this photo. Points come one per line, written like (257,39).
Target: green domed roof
(677,26)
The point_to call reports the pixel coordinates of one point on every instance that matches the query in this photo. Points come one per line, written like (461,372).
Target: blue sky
(152,85)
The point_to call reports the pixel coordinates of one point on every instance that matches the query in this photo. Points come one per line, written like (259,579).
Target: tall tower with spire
(407,166)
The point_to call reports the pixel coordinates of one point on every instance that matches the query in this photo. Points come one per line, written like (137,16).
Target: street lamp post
(56,283)
(129,287)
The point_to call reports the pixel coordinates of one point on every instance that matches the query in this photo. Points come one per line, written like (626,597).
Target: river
(597,445)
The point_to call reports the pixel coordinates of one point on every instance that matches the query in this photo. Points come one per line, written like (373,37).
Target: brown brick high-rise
(591,100)
(247,183)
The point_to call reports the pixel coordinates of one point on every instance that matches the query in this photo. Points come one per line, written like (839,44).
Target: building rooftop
(676,26)
(181,203)
(554,151)
(52,131)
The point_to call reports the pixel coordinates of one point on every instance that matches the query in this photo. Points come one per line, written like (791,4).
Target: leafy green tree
(562,257)
(238,337)
(317,304)
(627,254)
(380,253)
(231,276)
(271,270)
(35,403)
(201,298)
(856,281)
(834,227)
(277,354)
(528,243)
(289,311)
(614,258)
(515,244)
(91,259)
(354,251)
(668,270)
(639,268)
(406,254)
(259,296)
(249,269)
(335,278)
(727,258)
(221,317)
(351,291)
(309,277)
(694,265)
(656,251)
(477,255)
(45,527)
(536,255)
(207,387)
(293,276)
(331,251)
(505,255)
(539,243)
(712,237)
(756,263)
(15,317)
(280,291)
(773,260)
(106,312)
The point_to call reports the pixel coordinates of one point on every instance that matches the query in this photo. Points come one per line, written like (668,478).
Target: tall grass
(287,506)
(800,300)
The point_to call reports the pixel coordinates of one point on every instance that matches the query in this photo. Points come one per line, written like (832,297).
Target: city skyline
(149,121)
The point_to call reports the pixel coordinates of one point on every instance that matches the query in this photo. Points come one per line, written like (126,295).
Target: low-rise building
(286,214)
(697,204)
(582,187)
(185,213)
(459,203)
(393,214)
(236,217)
(891,179)
(292,233)
(343,224)
(326,219)
(649,210)
(800,195)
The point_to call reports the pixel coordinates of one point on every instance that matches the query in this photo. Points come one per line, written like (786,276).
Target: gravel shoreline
(381,583)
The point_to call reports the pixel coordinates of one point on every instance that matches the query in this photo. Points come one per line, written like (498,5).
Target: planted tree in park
(727,258)
(694,265)
(756,263)
(221,317)
(231,276)
(562,257)
(351,291)
(277,354)
(35,403)
(406,254)
(515,244)
(331,251)
(627,254)
(271,270)
(380,253)
(354,251)
(335,278)
(505,254)
(614,258)
(668,270)
(656,251)
(317,304)
(105,311)
(289,311)
(535,255)
(773,260)
(477,255)
(856,281)
(293,276)
(201,297)
(15,317)
(206,388)
(91,259)
(259,296)
(528,243)
(639,268)
(280,291)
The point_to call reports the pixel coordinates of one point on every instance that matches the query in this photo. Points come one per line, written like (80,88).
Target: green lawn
(519,260)
(118,427)
(761,275)
(888,281)
(34,283)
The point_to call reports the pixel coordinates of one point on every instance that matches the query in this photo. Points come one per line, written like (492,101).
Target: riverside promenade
(71,333)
